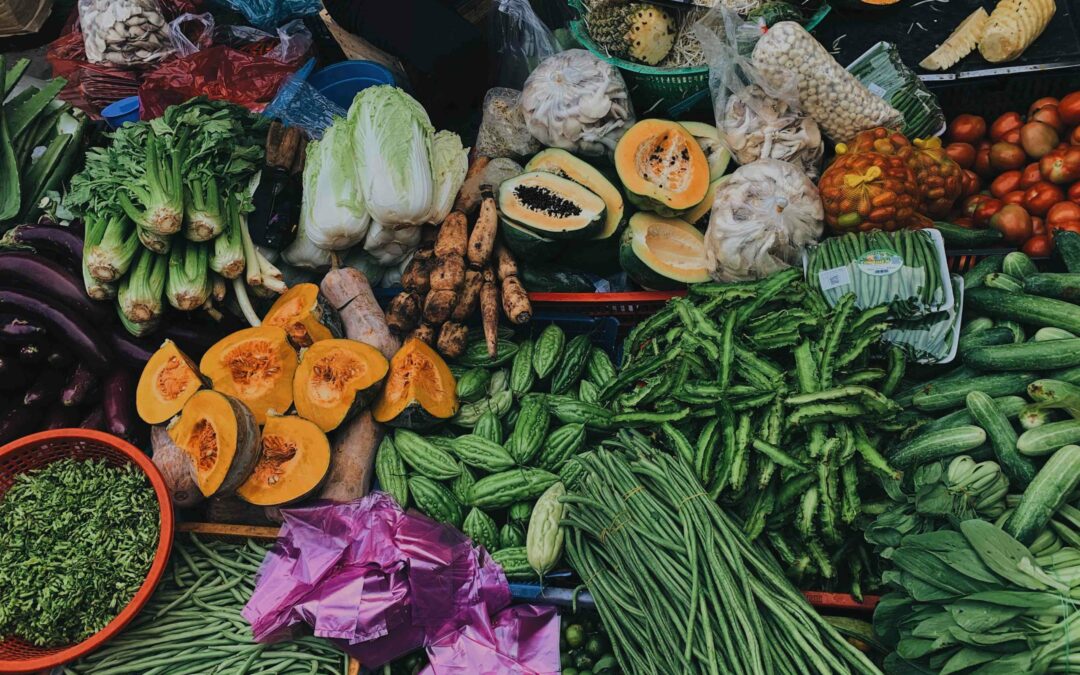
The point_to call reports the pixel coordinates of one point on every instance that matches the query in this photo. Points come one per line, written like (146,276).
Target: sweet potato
(425,333)
(515,301)
(482,239)
(404,313)
(349,292)
(489,311)
(448,274)
(453,236)
(465,202)
(505,265)
(352,459)
(468,297)
(176,468)
(453,338)
(438,305)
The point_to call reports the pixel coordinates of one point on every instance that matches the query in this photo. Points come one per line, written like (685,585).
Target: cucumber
(1055,395)
(1019,469)
(1018,265)
(1009,406)
(977,274)
(1048,491)
(1062,285)
(1048,333)
(951,393)
(1026,355)
(1067,250)
(985,338)
(1023,308)
(1017,330)
(979,323)
(956,236)
(1005,282)
(1048,438)
(937,445)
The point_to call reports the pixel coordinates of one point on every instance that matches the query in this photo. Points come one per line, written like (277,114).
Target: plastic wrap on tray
(935,337)
(905,270)
(882,71)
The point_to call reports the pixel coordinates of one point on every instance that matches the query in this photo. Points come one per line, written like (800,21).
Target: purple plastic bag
(381,583)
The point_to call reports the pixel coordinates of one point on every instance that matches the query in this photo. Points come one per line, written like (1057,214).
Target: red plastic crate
(629,308)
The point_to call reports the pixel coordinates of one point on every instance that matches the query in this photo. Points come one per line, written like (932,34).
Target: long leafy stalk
(110,257)
(140,293)
(188,286)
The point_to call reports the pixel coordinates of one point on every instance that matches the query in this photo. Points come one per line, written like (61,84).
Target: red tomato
(1074,193)
(1030,176)
(1074,137)
(963,221)
(1041,196)
(1006,156)
(982,162)
(1061,166)
(1006,182)
(1069,109)
(1062,212)
(1037,139)
(971,183)
(1014,197)
(961,153)
(1013,222)
(1042,103)
(1048,115)
(1038,225)
(1037,246)
(1004,124)
(1011,136)
(985,210)
(966,129)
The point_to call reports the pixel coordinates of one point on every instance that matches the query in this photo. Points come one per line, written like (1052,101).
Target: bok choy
(333,214)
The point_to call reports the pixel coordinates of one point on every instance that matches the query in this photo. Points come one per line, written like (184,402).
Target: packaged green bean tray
(933,338)
(905,270)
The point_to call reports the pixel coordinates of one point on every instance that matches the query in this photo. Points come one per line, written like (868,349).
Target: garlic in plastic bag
(577,102)
(762,218)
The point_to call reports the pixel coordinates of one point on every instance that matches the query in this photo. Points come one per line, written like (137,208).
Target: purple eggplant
(192,338)
(95,419)
(17,330)
(58,358)
(60,417)
(38,274)
(118,395)
(45,388)
(58,243)
(32,354)
(131,350)
(13,375)
(15,422)
(80,384)
(75,330)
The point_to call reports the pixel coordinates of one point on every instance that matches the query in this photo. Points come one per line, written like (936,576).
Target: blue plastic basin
(341,82)
(119,112)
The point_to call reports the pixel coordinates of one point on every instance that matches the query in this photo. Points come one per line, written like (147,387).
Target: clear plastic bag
(905,270)
(269,14)
(124,33)
(883,72)
(758,118)
(934,338)
(502,131)
(762,218)
(189,33)
(298,104)
(521,40)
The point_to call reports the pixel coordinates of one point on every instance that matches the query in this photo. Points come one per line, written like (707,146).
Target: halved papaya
(220,435)
(662,167)
(420,390)
(708,137)
(562,163)
(335,379)
(168,380)
(306,316)
(663,254)
(256,365)
(295,460)
(699,215)
(552,206)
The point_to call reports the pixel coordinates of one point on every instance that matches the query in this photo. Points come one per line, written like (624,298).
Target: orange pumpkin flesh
(294,461)
(420,390)
(335,378)
(168,380)
(256,365)
(306,316)
(221,437)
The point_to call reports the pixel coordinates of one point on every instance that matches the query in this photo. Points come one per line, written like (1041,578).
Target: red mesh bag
(868,191)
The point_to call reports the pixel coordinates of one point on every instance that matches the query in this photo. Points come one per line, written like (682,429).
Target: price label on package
(834,278)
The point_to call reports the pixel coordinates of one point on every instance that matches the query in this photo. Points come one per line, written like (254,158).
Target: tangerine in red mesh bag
(869,190)
(939,178)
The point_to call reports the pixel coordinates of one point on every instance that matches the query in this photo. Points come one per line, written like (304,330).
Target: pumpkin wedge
(294,462)
(662,167)
(220,435)
(306,316)
(420,390)
(335,379)
(256,365)
(168,380)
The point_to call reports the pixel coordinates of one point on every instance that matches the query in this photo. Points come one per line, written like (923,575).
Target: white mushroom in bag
(576,102)
(758,126)
(763,217)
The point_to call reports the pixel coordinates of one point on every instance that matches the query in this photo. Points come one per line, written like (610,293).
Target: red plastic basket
(39,450)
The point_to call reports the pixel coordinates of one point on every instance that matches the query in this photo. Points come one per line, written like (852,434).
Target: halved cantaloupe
(306,316)
(168,380)
(220,435)
(256,365)
(334,379)
(663,253)
(552,206)
(295,460)
(420,390)
(662,167)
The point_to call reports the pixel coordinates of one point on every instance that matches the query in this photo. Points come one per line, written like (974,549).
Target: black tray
(849,33)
